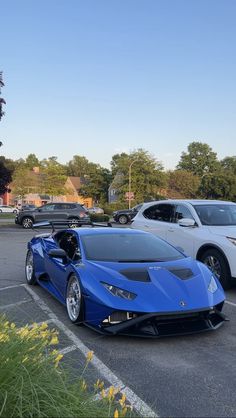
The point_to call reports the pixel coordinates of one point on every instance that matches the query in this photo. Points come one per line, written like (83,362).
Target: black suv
(73,214)
(125,215)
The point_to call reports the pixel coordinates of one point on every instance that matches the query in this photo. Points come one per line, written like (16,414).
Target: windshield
(216,215)
(126,247)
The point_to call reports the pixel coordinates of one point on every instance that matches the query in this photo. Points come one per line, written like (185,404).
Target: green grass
(7,215)
(34,384)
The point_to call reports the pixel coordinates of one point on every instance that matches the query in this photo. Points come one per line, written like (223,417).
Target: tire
(29,268)
(27,222)
(74,300)
(73,223)
(0,210)
(123,219)
(216,262)
(14,211)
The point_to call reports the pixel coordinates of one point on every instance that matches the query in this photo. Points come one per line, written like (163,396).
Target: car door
(56,268)
(180,236)
(44,213)
(158,218)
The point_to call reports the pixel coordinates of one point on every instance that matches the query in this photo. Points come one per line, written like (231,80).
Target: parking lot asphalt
(192,376)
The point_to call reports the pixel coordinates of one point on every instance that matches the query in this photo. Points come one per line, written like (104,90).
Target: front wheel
(123,219)
(74,300)
(216,262)
(29,268)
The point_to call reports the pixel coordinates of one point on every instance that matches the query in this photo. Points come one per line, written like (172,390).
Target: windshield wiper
(140,261)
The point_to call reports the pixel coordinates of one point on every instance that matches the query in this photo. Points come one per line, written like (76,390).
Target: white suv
(203,229)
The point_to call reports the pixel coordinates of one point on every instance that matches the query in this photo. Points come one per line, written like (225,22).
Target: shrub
(99,217)
(34,384)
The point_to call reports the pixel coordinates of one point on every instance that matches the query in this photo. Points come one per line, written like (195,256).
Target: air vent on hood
(183,274)
(138,275)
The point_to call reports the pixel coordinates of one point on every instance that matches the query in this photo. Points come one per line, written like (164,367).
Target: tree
(96,183)
(32,161)
(23,181)
(147,175)
(183,184)
(200,159)
(220,185)
(78,166)
(5,173)
(53,177)
(229,164)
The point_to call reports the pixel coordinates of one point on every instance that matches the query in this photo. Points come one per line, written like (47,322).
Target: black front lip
(169,323)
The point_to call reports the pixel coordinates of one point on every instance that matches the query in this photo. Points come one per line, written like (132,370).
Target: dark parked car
(125,215)
(73,214)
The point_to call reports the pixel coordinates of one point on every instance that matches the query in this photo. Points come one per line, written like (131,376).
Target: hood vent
(138,275)
(183,274)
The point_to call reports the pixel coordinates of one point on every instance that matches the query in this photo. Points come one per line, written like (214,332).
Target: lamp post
(132,162)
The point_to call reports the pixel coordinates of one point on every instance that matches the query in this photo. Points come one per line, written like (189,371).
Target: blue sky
(98,77)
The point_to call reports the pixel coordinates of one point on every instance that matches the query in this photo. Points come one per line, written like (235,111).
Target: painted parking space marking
(68,349)
(12,305)
(12,287)
(135,401)
(230,303)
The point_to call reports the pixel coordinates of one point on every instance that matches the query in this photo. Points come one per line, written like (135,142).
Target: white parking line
(12,287)
(12,305)
(136,402)
(230,303)
(68,349)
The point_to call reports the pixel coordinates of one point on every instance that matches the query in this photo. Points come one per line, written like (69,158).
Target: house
(72,186)
(114,188)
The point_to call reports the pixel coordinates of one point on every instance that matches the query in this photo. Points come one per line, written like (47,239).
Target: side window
(69,243)
(47,208)
(181,212)
(161,212)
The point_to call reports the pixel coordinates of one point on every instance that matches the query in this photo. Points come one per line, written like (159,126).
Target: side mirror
(58,253)
(187,222)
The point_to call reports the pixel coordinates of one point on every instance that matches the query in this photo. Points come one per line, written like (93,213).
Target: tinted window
(128,247)
(217,215)
(161,212)
(182,212)
(47,208)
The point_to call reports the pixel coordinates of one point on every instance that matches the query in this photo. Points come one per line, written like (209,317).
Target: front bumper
(168,324)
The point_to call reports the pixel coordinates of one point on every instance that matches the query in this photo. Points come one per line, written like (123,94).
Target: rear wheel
(73,223)
(27,222)
(29,268)
(123,219)
(216,262)
(74,300)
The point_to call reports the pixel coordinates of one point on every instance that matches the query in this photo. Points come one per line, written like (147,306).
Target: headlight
(233,240)
(212,287)
(116,291)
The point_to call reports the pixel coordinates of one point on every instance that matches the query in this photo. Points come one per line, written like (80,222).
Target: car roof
(103,230)
(191,201)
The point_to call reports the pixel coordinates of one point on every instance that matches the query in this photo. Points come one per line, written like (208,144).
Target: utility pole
(130,166)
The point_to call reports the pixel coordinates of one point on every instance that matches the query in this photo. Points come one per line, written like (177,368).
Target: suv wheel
(73,223)
(123,219)
(27,222)
(216,262)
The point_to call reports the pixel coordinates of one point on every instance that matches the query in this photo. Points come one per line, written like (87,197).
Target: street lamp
(132,162)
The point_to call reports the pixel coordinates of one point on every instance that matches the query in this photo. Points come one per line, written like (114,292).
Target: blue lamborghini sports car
(125,281)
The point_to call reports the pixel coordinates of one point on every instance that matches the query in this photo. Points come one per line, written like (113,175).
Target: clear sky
(98,77)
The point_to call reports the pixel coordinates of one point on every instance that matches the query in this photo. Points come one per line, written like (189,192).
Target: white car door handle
(171,230)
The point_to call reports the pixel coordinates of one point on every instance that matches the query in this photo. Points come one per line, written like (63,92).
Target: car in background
(204,229)
(122,281)
(124,216)
(7,209)
(95,210)
(28,207)
(72,214)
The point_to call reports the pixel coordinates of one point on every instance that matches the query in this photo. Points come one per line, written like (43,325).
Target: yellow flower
(103,393)
(4,338)
(116,414)
(124,411)
(54,340)
(57,359)
(89,356)
(122,400)
(111,393)
(13,325)
(43,326)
